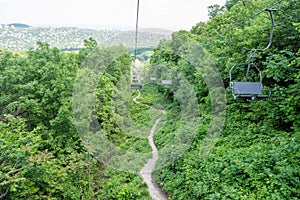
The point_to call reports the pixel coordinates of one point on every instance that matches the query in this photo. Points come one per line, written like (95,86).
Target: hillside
(71,38)
(17,25)
(71,128)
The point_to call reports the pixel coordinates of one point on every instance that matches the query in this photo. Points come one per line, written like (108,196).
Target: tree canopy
(253,148)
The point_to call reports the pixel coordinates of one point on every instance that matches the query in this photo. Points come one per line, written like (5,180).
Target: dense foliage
(257,155)
(41,154)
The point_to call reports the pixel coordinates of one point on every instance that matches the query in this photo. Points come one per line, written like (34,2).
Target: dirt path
(155,192)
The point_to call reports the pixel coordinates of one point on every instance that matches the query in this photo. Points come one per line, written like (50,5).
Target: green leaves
(41,154)
(257,156)
(278,66)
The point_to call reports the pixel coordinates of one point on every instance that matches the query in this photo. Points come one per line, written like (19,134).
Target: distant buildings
(15,38)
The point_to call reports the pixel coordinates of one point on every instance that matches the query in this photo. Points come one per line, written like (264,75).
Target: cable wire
(136,30)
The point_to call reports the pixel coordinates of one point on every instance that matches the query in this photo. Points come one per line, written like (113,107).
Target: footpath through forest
(146,172)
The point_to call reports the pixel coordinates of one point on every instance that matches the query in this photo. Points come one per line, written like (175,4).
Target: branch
(17,170)
(5,193)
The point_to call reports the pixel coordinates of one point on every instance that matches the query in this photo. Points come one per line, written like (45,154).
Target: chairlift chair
(136,86)
(166,82)
(248,90)
(252,90)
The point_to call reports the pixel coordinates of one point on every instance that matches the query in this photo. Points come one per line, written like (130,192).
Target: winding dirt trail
(155,192)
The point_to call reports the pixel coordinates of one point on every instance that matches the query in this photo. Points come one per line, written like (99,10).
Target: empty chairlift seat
(247,90)
(136,86)
(252,90)
(166,82)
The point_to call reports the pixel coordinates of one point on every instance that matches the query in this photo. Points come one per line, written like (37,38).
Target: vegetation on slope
(41,153)
(257,155)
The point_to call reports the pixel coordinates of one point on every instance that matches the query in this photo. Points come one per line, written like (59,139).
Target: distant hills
(18,25)
(17,36)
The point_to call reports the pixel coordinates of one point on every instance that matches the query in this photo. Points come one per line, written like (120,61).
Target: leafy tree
(215,10)
(42,156)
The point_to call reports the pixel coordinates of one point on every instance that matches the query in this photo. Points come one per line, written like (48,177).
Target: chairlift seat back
(247,88)
(166,82)
(136,86)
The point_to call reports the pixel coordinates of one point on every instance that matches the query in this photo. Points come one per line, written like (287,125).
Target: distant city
(18,36)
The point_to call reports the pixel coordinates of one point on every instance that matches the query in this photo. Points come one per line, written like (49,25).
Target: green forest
(211,145)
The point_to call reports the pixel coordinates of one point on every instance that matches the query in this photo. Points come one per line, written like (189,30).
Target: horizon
(115,14)
(95,27)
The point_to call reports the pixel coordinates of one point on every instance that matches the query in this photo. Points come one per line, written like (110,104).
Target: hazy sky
(168,14)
